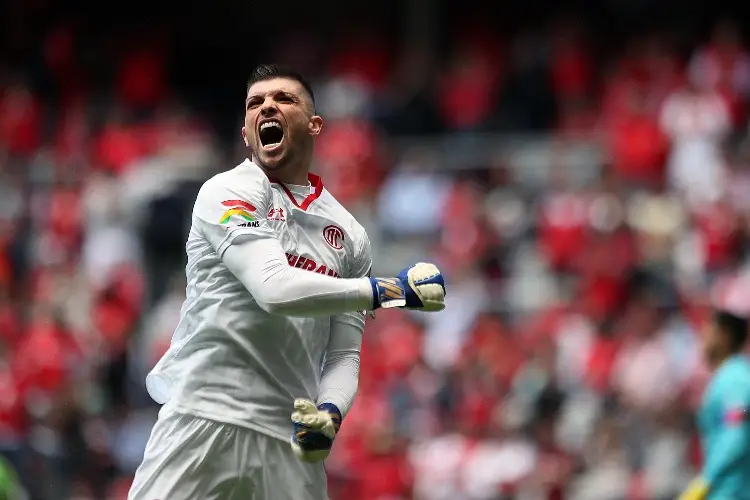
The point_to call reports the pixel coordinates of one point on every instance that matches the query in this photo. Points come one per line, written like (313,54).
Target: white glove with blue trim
(420,287)
(315,428)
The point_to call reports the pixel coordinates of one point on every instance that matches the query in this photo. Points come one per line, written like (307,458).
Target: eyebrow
(274,92)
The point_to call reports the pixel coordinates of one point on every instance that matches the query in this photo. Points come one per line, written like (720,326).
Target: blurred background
(580,171)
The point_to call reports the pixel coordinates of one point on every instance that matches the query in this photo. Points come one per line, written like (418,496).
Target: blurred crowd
(567,363)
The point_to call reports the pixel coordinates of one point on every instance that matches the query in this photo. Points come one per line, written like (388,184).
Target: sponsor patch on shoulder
(239,210)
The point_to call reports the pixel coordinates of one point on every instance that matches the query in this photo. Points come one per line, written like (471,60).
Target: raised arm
(233,220)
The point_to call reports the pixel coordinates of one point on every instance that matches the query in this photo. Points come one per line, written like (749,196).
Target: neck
(720,360)
(291,173)
(290,176)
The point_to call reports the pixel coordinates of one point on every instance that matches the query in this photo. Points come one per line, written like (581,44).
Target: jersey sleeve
(361,263)
(339,379)
(233,212)
(231,215)
(731,439)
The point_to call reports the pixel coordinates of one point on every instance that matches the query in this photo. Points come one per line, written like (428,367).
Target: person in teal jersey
(724,417)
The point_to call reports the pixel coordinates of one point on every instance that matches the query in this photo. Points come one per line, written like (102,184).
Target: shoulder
(736,366)
(742,369)
(245,183)
(734,374)
(243,191)
(244,177)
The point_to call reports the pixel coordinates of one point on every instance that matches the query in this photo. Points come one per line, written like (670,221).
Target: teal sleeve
(731,439)
(729,448)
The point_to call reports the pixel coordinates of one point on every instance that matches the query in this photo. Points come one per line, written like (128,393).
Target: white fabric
(340,378)
(637,367)
(339,381)
(261,266)
(696,125)
(233,361)
(190,457)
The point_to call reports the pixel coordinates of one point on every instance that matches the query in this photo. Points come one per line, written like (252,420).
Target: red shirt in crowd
(639,149)
(718,228)
(46,358)
(20,121)
(141,81)
(466,93)
(117,146)
(571,70)
(563,226)
(12,413)
(365,59)
(349,159)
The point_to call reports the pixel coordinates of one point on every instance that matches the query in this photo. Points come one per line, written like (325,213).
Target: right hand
(420,286)
(315,427)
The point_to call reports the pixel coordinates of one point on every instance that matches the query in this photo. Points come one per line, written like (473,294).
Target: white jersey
(230,360)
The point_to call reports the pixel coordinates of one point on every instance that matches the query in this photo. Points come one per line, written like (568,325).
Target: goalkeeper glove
(696,490)
(314,429)
(420,286)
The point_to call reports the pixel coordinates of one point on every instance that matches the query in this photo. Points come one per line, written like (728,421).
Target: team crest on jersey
(276,214)
(240,211)
(334,236)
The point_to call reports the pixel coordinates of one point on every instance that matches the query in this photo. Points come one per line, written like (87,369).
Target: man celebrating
(278,285)
(724,418)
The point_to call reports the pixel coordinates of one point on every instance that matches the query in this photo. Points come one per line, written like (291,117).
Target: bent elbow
(279,299)
(271,301)
(267,307)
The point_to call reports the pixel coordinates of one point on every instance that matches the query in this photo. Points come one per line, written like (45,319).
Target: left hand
(314,429)
(420,286)
(696,490)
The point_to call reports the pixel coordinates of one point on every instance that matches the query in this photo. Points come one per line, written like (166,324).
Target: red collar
(317,184)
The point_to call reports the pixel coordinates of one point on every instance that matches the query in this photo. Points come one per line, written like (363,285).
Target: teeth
(270,124)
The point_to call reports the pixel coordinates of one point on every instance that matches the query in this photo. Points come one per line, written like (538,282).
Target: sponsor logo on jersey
(309,264)
(334,236)
(241,210)
(736,416)
(276,214)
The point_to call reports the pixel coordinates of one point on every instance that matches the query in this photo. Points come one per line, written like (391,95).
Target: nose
(268,109)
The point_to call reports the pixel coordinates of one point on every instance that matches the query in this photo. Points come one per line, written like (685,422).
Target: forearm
(261,266)
(730,447)
(339,384)
(727,450)
(340,377)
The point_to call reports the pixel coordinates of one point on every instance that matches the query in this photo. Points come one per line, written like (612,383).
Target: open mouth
(271,134)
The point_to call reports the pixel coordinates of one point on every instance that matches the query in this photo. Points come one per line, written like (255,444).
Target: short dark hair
(734,326)
(270,71)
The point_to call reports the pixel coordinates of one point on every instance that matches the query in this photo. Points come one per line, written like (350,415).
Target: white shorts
(190,458)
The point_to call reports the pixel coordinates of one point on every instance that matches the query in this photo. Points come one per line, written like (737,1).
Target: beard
(267,166)
(292,156)
(273,163)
